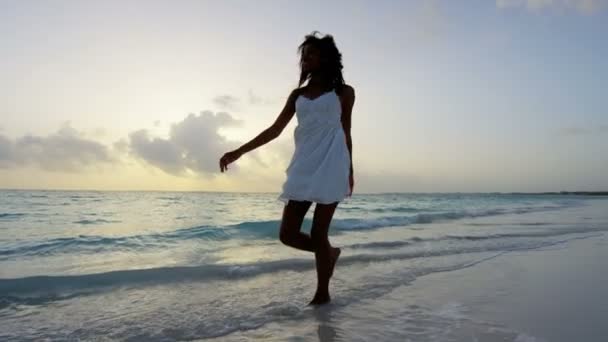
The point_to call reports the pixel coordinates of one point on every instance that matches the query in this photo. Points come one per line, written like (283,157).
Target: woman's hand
(351,181)
(228,158)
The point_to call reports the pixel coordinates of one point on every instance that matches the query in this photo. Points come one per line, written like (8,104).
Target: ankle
(322,292)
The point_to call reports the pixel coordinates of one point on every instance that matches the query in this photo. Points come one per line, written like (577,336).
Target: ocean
(167,266)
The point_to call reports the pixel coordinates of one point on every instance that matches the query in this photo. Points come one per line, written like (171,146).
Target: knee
(284,238)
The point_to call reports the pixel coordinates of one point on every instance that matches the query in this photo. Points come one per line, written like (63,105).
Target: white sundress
(320,166)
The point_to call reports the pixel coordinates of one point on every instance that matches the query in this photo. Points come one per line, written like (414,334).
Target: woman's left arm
(348,101)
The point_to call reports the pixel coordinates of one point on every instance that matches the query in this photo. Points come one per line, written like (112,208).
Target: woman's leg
(325,255)
(291,223)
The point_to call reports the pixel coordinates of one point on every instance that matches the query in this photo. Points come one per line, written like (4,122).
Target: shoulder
(347,92)
(293,96)
(348,89)
(295,93)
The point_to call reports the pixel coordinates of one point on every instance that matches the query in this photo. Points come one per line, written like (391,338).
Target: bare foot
(335,254)
(320,299)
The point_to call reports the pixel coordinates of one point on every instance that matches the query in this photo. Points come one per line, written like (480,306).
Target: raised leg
(291,223)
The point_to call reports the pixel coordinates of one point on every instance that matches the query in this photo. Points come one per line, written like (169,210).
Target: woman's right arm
(267,135)
(276,128)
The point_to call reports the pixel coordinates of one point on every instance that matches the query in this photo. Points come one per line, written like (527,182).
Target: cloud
(194,144)
(227,102)
(65,150)
(121,145)
(256,100)
(6,152)
(233,103)
(583,6)
(580,131)
(574,130)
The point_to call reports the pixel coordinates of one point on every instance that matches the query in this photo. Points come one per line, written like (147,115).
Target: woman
(321,168)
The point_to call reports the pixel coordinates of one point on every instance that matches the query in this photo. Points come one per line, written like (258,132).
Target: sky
(451,96)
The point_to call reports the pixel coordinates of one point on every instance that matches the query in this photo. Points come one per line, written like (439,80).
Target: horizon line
(573,192)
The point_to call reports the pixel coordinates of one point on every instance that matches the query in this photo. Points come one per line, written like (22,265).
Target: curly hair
(331,60)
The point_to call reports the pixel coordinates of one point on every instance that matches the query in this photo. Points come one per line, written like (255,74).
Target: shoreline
(550,294)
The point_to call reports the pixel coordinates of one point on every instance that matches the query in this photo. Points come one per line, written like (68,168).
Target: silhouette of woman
(321,169)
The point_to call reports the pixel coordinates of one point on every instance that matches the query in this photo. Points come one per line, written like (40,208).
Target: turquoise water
(150,257)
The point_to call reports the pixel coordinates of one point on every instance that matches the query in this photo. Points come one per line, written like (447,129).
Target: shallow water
(161,266)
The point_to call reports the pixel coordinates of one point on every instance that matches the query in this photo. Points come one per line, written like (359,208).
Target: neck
(317,80)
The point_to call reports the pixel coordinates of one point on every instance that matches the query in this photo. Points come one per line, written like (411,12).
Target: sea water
(165,266)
